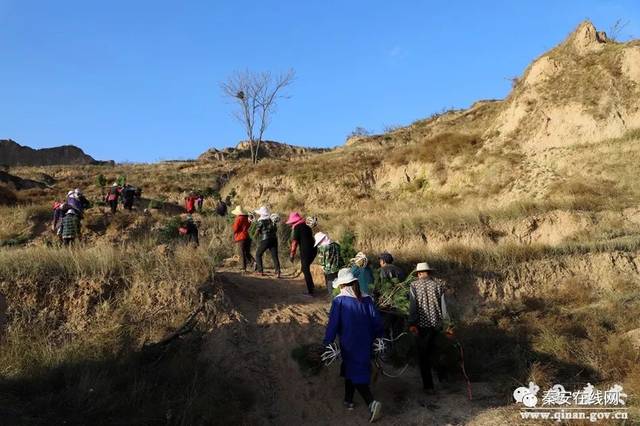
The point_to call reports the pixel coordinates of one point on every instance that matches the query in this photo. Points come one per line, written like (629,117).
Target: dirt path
(269,318)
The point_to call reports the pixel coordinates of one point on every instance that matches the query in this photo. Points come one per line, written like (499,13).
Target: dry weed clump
(441,147)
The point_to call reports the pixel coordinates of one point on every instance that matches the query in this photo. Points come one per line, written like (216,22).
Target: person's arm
(334,322)
(413,310)
(443,304)
(294,243)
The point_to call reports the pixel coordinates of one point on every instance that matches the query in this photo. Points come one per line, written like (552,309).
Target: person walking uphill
(241,227)
(361,270)
(355,319)
(70,228)
(190,202)
(267,231)
(427,310)
(302,236)
(329,256)
(112,197)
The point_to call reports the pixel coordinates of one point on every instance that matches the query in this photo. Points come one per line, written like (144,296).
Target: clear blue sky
(138,80)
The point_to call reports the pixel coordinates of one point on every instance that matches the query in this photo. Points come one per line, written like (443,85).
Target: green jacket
(329,258)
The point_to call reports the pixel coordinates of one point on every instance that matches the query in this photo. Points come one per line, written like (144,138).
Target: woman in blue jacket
(356,320)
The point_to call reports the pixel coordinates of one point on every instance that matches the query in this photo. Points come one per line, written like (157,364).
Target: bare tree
(616,29)
(257,95)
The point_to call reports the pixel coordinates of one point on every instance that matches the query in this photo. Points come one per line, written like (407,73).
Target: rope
(380,347)
(464,372)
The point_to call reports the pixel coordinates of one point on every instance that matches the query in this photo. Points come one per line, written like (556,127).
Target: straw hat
(423,267)
(345,276)
(263,212)
(294,218)
(319,238)
(238,211)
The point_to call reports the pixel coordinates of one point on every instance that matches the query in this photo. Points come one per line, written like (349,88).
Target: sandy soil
(271,317)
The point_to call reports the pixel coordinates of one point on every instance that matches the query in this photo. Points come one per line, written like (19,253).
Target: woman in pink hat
(302,236)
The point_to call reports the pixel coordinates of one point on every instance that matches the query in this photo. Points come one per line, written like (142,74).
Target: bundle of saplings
(391,295)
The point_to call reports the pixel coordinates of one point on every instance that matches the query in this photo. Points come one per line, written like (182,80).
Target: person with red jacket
(190,202)
(241,236)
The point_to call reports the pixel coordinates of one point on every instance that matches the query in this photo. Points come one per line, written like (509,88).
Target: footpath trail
(270,317)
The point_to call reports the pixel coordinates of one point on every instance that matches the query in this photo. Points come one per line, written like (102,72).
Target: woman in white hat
(267,231)
(241,227)
(355,319)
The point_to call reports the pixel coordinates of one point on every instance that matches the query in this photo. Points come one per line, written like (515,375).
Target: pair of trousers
(114,205)
(271,245)
(244,250)
(350,390)
(328,280)
(426,351)
(306,260)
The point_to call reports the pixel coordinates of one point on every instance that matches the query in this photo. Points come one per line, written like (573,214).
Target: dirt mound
(268,149)
(20,183)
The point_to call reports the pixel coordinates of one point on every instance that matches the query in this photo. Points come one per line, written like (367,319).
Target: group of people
(127,193)
(266,231)
(354,318)
(67,216)
(194,202)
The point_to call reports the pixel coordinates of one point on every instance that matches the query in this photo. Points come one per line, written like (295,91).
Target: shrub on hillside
(7,196)
(442,146)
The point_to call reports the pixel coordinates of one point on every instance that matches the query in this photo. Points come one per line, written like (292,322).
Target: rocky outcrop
(268,149)
(14,154)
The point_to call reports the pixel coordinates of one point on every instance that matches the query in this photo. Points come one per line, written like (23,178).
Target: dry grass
(78,319)
(441,148)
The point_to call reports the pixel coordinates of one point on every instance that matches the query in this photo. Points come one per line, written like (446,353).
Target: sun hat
(360,260)
(423,266)
(294,218)
(321,237)
(263,212)
(114,184)
(345,276)
(238,211)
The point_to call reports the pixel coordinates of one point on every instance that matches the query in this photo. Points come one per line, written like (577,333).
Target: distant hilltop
(268,149)
(14,154)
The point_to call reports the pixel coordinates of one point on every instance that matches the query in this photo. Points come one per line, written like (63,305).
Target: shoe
(375,409)
(349,405)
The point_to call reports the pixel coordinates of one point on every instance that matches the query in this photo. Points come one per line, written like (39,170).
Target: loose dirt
(269,317)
